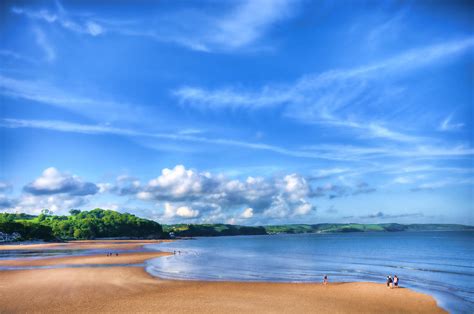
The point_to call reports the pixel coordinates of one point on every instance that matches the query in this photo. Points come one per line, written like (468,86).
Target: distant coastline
(190,230)
(99,224)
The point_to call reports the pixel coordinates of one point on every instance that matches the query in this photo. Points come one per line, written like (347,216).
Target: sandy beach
(103,259)
(132,289)
(83,245)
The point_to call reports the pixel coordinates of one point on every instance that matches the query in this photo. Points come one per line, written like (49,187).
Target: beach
(109,288)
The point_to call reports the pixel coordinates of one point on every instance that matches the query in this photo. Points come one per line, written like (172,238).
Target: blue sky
(248,112)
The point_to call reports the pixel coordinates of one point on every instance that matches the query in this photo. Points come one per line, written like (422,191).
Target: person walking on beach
(395,281)
(389,282)
(325,280)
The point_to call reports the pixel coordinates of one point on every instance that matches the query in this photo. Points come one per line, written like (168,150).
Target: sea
(437,263)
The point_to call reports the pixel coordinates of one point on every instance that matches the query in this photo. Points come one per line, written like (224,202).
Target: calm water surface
(438,263)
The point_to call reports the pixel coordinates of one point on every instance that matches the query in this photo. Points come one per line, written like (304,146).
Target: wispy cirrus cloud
(5,53)
(438,184)
(247,22)
(351,152)
(241,24)
(59,16)
(49,94)
(448,125)
(323,152)
(44,44)
(178,136)
(330,97)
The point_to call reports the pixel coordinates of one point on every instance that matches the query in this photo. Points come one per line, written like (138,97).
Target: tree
(46,212)
(74,212)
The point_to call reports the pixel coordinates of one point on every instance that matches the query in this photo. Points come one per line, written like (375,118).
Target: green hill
(190,230)
(353,227)
(97,223)
(212,230)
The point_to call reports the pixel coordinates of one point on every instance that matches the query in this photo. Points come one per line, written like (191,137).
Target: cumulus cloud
(181,184)
(296,187)
(53,190)
(247,213)
(59,204)
(181,211)
(198,193)
(52,181)
(181,193)
(304,208)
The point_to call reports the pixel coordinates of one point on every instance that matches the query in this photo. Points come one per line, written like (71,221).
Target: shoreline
(132,289)
(82,245)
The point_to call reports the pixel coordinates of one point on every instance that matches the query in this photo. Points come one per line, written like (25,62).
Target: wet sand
(102,259)
(132,289)
(83,245)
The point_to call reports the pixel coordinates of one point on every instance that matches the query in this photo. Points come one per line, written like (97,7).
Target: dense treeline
(213,230)
(97,223)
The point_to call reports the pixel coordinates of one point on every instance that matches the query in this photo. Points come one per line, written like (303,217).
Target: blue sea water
(438,263)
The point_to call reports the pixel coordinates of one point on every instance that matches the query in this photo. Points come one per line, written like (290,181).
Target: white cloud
(63,126)
(328,152)
(327,97)
(296,187)
(241,26)
(186,212)
(52,181)
(46,93)
(248,22)
(247,213)
(53,190)
(403,180)
(325,173)
(67,20)
(447,125)
(303,208)
(94,29)
(181,211)
(59,203)
(190,193)
(180,183)
(350,152)
(48,50)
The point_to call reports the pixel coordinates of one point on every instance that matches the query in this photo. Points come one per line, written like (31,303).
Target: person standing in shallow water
(389,282)
(395,281)
(325,280)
